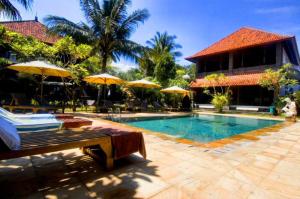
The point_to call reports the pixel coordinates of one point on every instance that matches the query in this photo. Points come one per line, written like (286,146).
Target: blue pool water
(202,128)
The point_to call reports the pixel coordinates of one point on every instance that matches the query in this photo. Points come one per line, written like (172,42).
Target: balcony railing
(240,70)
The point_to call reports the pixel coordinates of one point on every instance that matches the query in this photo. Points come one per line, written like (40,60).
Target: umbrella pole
(42,88)
(98,98)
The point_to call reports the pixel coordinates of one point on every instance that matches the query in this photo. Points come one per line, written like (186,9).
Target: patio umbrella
(143,84)
(175,90)
(104,79)
(40,68)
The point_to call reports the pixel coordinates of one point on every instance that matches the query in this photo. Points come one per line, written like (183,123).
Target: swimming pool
(202,128)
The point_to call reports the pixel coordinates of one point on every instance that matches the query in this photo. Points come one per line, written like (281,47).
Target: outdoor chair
(21,103)
(158,107)
(34,143)
(144,106)
(33,125)
(133,106)
(25,116)
(98,142)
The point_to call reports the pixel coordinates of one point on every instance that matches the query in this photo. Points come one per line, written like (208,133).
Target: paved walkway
(266,167)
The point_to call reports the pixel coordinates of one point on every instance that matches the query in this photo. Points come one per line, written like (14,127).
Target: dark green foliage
(9,10)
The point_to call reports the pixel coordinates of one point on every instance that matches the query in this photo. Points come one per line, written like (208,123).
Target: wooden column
(230,65)
(279,54)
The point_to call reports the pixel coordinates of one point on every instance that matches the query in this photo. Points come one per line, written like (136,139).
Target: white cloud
(277,10)
(124,66)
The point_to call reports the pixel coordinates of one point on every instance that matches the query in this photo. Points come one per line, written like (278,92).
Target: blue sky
(196,23)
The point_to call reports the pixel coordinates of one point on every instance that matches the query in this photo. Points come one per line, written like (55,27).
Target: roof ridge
(220,40)
(269,32)
(241,38)
(22,21)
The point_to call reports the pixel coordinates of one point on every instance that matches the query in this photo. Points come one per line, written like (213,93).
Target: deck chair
(158,107)
(21,102)
(25,116)
(53,141)
(31,125)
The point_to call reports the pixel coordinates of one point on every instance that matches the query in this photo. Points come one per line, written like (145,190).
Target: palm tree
(108,28)
(158,59)
(9,10)
(163,43)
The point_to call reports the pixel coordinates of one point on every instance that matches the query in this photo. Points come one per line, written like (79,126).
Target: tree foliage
(158,59)
(9,10)
(220,95)
(275,79)
(108,28)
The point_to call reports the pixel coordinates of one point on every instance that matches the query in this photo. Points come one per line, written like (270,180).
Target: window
(256,56)
(214,63)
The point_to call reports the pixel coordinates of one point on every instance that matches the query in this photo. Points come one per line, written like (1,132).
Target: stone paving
(266,167)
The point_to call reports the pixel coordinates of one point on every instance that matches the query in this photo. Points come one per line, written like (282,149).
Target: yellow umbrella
(175,90)
(104,78)
(40,68)
(143,84)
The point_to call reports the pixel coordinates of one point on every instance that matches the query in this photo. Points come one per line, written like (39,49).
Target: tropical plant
(146,63)
(158,59)
(276,79)
(220,100)
(9,10)
(220,95)
(163,43)
(179,80)
(108,28)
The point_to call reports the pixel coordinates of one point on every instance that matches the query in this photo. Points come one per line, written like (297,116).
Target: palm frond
(25,3)
(9,10)
(130,24)
(59,25)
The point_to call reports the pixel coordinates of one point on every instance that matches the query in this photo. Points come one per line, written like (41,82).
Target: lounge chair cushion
(25,116)
(9,135)
(32,125)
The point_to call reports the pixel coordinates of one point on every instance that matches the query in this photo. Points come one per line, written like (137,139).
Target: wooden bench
(46,142)
(33,109)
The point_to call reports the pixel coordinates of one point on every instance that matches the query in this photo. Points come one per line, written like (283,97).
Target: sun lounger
(33,125)
(124,142)
(33,109)
(25,116)
(53,141)
(94,141)
(75,122)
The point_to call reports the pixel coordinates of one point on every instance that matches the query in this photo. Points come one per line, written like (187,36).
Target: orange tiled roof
(243,79)
(242,38)
(31,28)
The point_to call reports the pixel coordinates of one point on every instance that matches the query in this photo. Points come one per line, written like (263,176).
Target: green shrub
(219,101)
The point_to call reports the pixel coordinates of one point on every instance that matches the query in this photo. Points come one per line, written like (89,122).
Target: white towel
(9,135)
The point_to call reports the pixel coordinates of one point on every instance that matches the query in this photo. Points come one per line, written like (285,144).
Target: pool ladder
(114,113)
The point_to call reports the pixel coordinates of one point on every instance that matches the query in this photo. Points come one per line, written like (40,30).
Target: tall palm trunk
(101,88)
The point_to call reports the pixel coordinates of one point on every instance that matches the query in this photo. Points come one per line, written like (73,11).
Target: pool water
(202,128)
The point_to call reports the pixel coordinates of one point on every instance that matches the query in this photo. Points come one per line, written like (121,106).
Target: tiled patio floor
(267,167)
